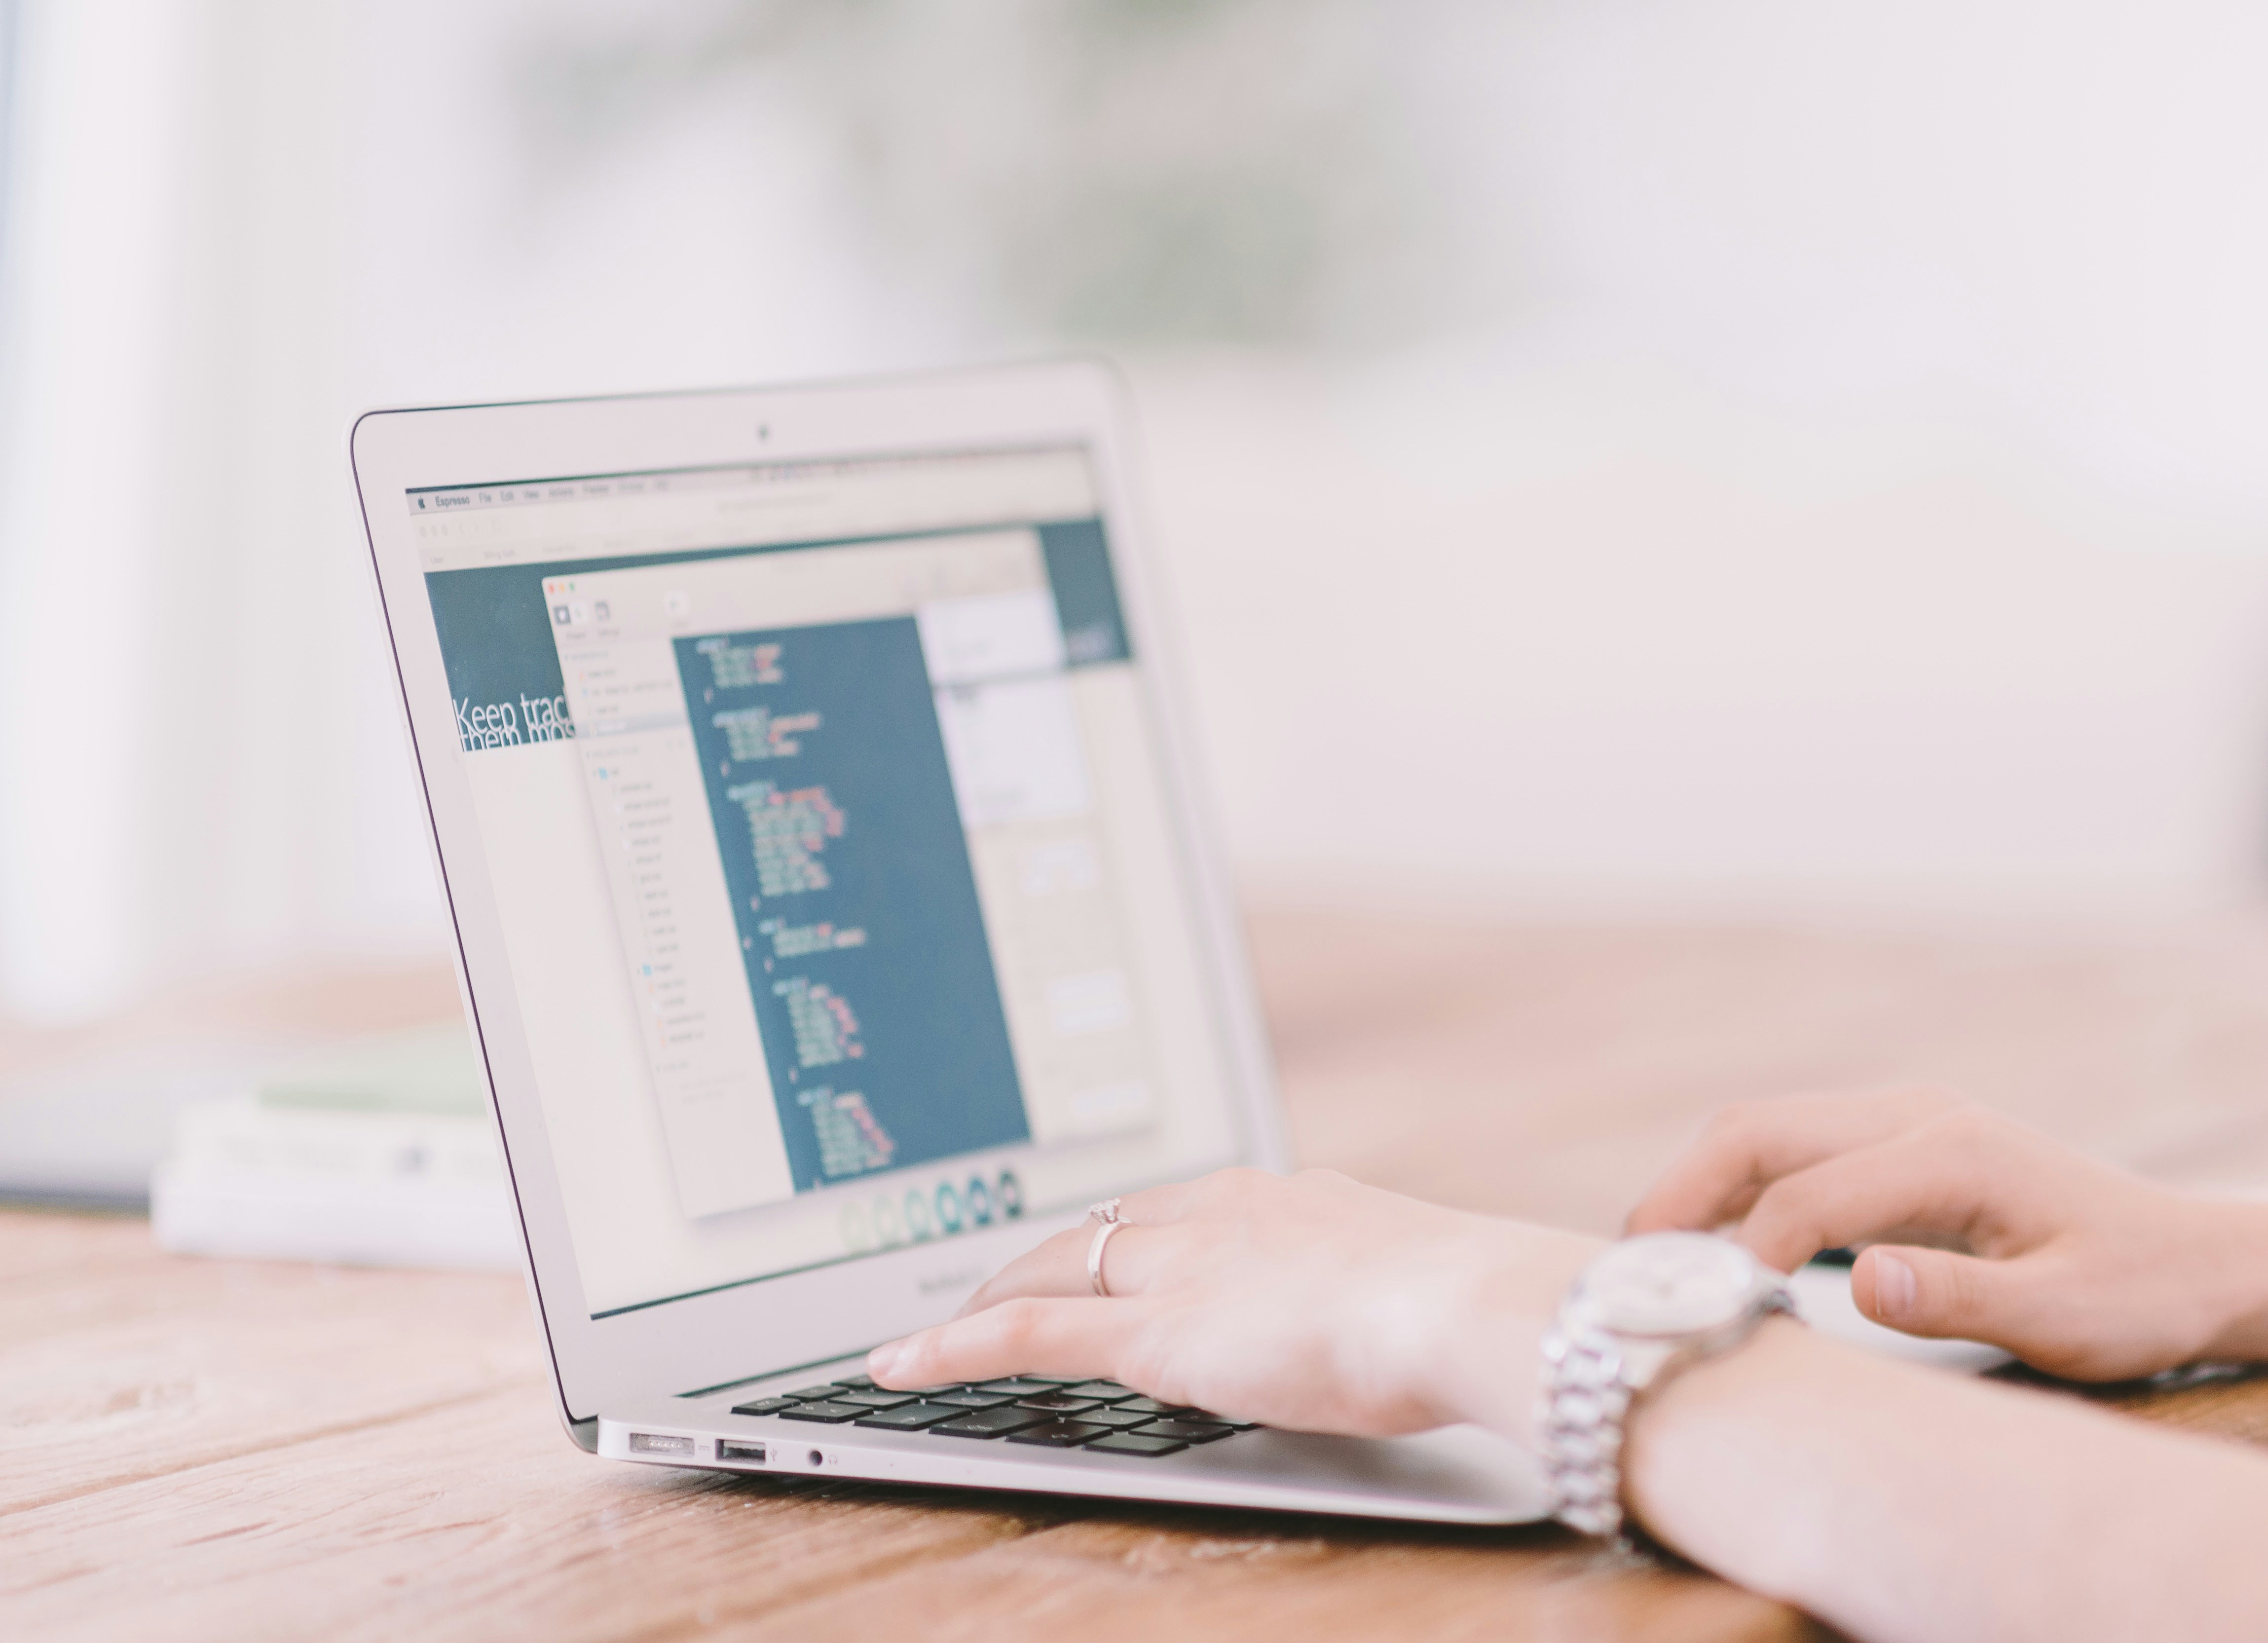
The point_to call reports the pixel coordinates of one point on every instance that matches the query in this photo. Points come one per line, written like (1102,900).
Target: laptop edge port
(727,1450)
(655,1443)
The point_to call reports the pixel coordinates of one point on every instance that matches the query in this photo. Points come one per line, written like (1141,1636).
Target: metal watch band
(1585,1399)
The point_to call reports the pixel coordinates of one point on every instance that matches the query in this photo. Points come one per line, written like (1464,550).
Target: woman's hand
(1312,1303)
(1980,1229)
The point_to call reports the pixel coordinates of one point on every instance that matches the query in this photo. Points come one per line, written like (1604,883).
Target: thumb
(1936,1292)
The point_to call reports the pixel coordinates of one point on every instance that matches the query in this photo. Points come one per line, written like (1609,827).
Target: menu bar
(747,505)
(431,499)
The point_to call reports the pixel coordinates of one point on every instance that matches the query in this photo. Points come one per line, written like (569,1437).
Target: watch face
(1671,1284)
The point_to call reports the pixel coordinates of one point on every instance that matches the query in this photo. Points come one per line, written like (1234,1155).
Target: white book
(377,1154)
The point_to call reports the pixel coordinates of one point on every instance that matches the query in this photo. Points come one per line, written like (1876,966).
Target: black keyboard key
(875,1398)
(857,1383)
(1054,1380)
(989,1423)
(1184,1430)
(909,1416)
(764,1406)
(1059,1403)
(1016,1386)
(1117,1420)
(973,1399)
(1135,1443)
(1058,1434)
(1108,1391)
(1220,1420)
(833,1413)
(825,1388)
(1150,1406)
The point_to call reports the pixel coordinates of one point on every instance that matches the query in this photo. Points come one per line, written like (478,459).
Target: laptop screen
(832,852)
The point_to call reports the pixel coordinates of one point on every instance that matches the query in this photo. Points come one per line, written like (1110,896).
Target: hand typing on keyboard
(1980,1229)
(1312,1302)
(1895,1502)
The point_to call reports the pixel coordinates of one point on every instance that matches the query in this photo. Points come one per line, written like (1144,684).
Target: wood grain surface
(194,1450)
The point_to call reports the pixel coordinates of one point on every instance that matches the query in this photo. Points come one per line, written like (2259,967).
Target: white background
(1836,487)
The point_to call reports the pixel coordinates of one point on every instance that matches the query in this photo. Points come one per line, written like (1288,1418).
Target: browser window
(833,861)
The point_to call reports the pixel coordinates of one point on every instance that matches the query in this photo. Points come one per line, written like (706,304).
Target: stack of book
(379,1152)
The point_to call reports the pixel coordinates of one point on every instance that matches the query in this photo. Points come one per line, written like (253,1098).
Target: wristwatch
(1646,1308)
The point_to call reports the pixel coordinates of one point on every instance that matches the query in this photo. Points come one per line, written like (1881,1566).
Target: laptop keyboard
(1056,1413)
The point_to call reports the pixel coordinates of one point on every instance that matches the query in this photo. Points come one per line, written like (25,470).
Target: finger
(1024,1336)
(1751,1145)
(1058,1266)
(1049,1268)
(1909,1186)
(1160,1206)
(1940,1294)
(1223,1192)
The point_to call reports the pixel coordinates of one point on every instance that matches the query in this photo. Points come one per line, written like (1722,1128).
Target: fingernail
(1894,1287)
(885,1358)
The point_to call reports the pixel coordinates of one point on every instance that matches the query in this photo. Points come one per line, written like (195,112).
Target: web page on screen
(832,852)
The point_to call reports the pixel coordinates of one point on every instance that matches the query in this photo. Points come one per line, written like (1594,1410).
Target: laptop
(834,913)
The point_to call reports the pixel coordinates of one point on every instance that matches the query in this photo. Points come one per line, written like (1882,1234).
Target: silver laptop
(834,913)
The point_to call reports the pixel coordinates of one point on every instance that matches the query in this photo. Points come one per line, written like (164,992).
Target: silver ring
(1095,1254)
(1106,1212)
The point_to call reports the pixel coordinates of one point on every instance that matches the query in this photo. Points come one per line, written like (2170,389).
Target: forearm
(1900,1503)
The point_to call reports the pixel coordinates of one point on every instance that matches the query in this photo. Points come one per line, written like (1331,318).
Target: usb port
(655,1443)
(727,1450)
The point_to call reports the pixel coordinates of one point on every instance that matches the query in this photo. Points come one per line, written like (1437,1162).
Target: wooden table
(194,1449)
